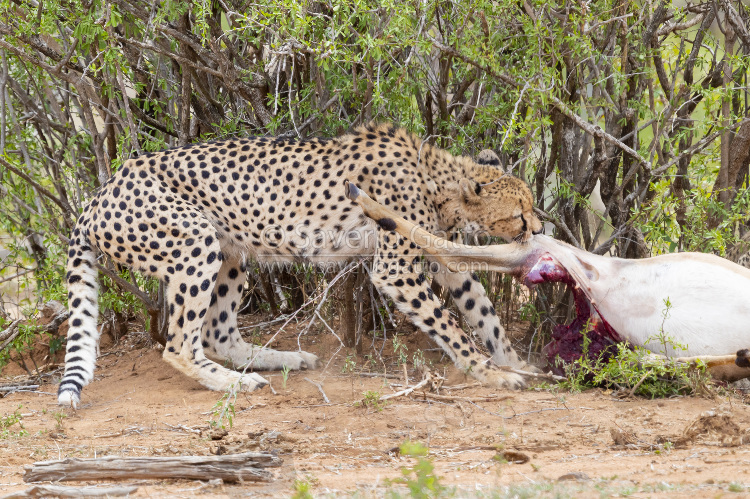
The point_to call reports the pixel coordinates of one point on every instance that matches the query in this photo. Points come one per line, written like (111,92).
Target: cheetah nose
(352,191)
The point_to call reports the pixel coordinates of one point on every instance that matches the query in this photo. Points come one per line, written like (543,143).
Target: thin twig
(407,391)
(182,427)
(14,276)
(547,376)
(643,378)
(320,389)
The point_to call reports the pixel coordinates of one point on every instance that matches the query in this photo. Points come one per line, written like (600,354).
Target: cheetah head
(492,202)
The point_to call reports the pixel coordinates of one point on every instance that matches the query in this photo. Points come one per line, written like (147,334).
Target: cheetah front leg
(395,273)
(221,337)
(474,304)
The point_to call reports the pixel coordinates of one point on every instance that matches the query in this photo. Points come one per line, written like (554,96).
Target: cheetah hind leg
(184,350)
(189,290)
(221,337)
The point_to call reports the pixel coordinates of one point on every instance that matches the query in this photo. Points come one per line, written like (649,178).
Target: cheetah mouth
(567,343)
(521,237)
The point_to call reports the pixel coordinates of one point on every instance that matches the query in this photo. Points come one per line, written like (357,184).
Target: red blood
(567,339)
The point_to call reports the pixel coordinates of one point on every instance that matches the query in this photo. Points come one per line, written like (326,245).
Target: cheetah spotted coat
(191,216)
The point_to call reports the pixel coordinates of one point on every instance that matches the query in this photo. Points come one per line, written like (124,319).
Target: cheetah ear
(487,157)
(469,190)
(487,167)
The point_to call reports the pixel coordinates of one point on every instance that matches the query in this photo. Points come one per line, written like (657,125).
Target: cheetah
(193,215)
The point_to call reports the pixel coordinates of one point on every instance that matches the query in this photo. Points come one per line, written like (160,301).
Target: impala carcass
(695,300)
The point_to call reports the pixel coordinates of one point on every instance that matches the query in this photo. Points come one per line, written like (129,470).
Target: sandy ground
(140,406)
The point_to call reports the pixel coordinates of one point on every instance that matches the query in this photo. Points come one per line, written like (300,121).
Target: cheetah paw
(504,379)
(69,398)
(529,368)
(297,361)
(273,360)
(311,360)
(251,381)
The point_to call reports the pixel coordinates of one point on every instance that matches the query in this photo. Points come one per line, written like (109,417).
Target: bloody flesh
(568,339)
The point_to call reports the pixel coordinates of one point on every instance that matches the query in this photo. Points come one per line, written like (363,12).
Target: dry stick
(406,391)
(377,375)
(18,388)
(462,386)
(697,147)
(146,299)
(10,334)
(737,23)
(451,398)
(548,376)
(128,113)
(320,389)
(172,55)
(43,191)
(14,276)
(632,391)
(309,121)
(247,466)
(323,297)
(61,491)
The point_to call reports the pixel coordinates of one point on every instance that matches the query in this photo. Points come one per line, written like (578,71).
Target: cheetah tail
(83,335)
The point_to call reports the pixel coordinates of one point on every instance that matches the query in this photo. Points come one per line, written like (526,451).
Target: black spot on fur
(387,224)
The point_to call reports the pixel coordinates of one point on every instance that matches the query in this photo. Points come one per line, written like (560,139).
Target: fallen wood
(451,398)
(377,375)
(53,314)
(532,375)
(18,388)
(61,491)
(406,391)
(247,466)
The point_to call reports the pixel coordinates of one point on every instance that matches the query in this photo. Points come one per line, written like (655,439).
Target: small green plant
(369,362)
(302,490)
(349,364)
(284,376)
(400,350)
(420,479)
(8,422)
(372,399)
(664,448)
(256,337)
(223,409)
(59,416)
(637,370)
(418,359)
(56,343)
(736,487)
(529,312)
